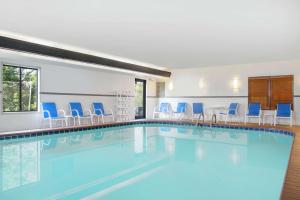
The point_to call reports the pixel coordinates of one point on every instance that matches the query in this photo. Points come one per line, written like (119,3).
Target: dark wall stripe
(112,95)
(77,94)
(205,97)
(210,97)
(152,97)
(29,47)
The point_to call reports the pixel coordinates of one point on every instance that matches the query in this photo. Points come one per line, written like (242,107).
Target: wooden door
(271,90)
(258,91)
(282,90)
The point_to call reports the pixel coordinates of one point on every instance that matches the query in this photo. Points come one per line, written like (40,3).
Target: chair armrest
(224,110)
(77,113)
(46,111)
(100,111)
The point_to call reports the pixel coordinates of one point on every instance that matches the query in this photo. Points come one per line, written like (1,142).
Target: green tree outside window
(20,89)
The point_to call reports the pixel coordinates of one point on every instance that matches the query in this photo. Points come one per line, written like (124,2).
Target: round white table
(214,110)
(270,114)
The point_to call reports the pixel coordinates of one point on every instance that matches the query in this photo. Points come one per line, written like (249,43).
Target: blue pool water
(146,162)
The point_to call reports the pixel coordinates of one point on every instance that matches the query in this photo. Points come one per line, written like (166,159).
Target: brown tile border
(50,131)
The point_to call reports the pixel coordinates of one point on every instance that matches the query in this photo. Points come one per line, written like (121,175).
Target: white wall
(62,79)
(216,83)
(210,85)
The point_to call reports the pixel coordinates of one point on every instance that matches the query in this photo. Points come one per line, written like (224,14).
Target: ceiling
(168,33)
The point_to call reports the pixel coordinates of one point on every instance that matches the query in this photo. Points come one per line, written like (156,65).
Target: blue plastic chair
(77,112)
(284,111)
(181,110)
(232,111)
(254,111)
(51,113)
(181,107)
(99,111)
(198,111)
(164,108)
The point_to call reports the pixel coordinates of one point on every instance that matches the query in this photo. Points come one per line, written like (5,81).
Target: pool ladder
(213,119)
(199,118)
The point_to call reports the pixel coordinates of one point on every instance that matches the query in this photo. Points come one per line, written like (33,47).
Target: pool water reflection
(146,162)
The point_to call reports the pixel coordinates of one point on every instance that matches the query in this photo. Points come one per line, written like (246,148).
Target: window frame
(20,66)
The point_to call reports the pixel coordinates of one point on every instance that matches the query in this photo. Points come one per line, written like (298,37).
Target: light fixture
(201,83)
(235,83)
(171,85)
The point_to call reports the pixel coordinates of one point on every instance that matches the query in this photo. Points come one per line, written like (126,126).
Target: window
(271,90)
(140,98)
(20,89)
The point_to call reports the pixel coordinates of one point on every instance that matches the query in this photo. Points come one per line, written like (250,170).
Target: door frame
(144,97)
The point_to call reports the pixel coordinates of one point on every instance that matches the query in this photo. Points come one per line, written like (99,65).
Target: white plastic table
(69,117)
(268,114)
(215,110)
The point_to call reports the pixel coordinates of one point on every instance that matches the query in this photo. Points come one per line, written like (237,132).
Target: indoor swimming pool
(146,162)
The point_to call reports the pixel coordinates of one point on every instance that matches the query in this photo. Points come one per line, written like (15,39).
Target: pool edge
(60,130)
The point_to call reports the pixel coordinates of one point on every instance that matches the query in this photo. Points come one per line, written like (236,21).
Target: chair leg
(50,123)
